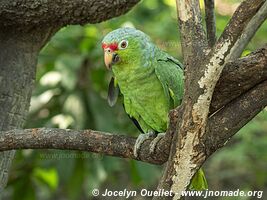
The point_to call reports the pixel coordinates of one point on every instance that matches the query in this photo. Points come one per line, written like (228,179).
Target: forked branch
(188,150)
(249,32)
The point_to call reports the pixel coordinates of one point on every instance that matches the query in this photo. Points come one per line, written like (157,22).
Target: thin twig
(249,32)
(241,17)
(210,22)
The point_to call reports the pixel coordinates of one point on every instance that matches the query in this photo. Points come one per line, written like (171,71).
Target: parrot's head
(124,46)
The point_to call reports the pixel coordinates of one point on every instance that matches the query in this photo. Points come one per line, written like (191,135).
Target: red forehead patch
(112,46)
(104,46)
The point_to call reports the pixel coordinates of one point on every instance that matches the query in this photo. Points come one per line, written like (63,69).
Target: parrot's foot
(140,140)
(154,143)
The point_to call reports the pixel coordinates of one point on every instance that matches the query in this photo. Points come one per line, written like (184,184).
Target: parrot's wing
(113,93)
(170,73)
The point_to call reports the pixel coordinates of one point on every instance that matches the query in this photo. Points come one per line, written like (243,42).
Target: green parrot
(150,81)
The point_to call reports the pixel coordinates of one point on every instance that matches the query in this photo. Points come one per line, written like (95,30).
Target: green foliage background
(70,92)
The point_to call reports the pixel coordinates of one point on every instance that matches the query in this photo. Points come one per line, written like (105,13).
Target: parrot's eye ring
(123,44)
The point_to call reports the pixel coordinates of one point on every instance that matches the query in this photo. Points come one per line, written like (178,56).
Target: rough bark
(29,14)
(238,77)
(233,116)
(18,60)
(210,22)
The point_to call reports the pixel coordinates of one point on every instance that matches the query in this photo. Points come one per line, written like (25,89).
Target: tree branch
(189,16)
(238,77)
(31,13)
(247,106)
(241,17)
(249,32)
(210,22)
(234,116)
(83,140)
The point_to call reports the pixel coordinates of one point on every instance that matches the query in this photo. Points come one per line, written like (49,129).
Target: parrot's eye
(123,44)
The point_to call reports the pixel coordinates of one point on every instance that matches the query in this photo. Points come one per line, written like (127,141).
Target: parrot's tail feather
(199,181)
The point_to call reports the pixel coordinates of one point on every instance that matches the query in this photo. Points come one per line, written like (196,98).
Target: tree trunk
(18,59)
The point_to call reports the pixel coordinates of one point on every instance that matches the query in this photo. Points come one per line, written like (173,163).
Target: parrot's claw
(140,140)
(154,143)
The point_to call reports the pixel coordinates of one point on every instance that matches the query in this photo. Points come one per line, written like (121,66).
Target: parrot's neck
(131,77)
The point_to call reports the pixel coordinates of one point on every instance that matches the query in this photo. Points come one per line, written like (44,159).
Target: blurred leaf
(68,66)
(75,184)
(47,176)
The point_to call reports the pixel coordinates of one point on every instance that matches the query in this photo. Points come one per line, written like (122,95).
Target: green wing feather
(170,73)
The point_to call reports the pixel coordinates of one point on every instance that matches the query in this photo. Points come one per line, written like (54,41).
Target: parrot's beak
(111,58)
